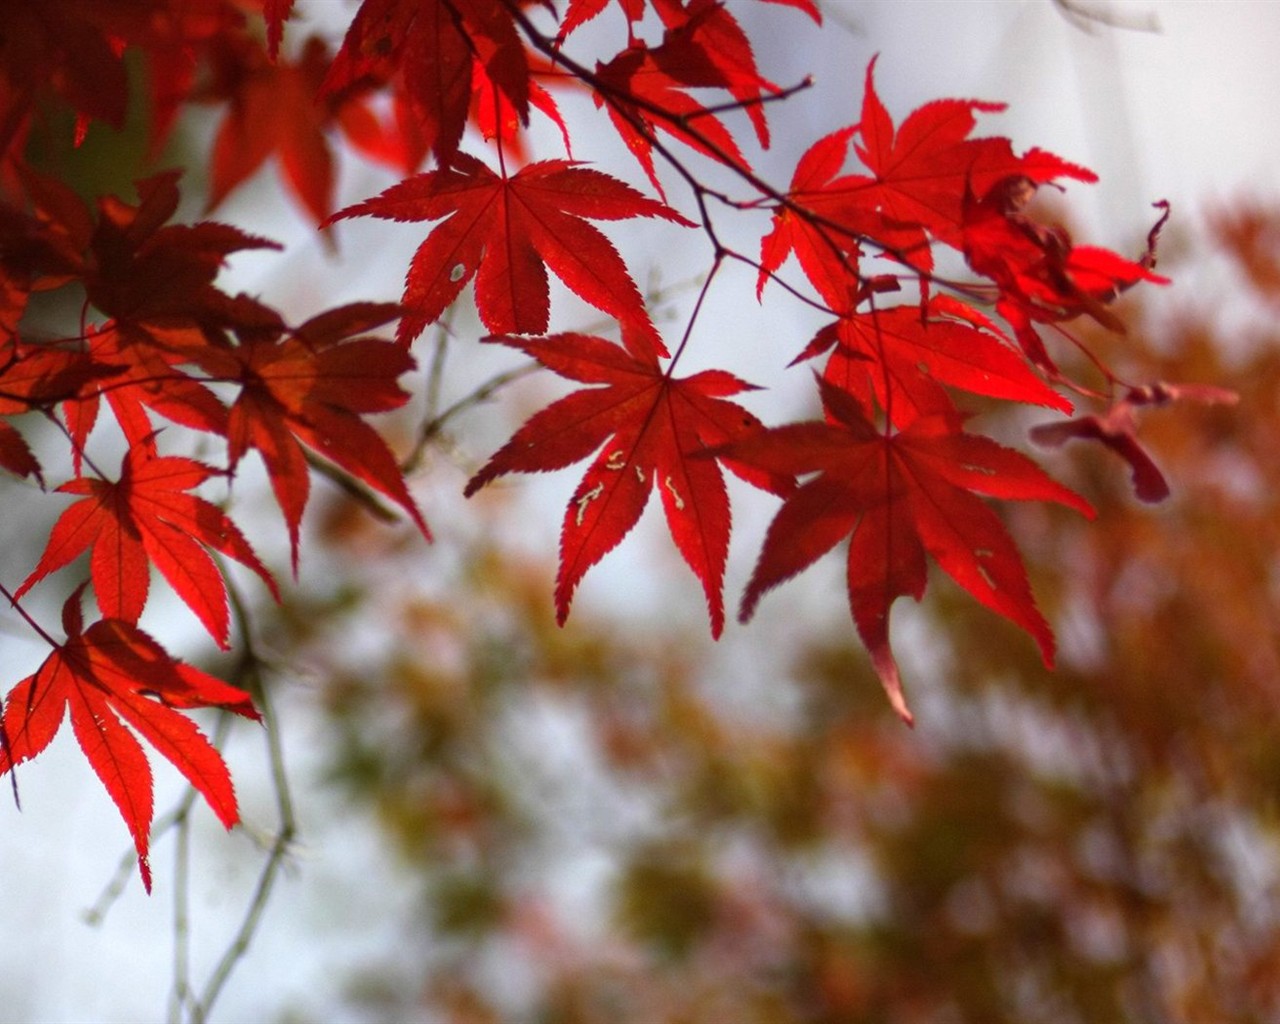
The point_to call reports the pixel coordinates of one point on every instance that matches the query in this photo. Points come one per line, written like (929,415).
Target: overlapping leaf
(646,88)
(38,377)
(653,428)
(578,12)
(1041,274)
(810,228)
(313,388)
(431,46)
(149,517)
(905,357)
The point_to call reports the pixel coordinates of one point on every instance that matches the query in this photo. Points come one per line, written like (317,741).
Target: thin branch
(1086,15)
(433,427)
(357,489)
(753,101)
(250,677)
(278,852)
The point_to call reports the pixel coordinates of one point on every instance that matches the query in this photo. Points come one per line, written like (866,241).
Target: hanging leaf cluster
(442,92)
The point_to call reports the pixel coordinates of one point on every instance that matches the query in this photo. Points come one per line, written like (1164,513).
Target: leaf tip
(886,667)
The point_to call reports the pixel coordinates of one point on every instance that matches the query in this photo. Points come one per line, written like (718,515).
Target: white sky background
(1187,114)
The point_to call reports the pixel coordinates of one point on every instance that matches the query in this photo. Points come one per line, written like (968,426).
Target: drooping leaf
(1041,274)
(1117,429)
(114,672)
(899,496)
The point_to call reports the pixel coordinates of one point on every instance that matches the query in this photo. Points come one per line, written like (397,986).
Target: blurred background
(499,820)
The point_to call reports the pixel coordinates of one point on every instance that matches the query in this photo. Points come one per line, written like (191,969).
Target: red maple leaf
(505,232)
(809,227)
(272,109)
(148,517)
(900,496)
(136,268)
(43,249)
(645,88)
(903,356)
(69,47)
(114,678)
(275,13)
(312,387)
(432,46)
(919,176)
(497,118)
(1041,274)
(711,27)
(924,168)
(145,375)
(35,376)
(652,427)
(578,12)
(141,270)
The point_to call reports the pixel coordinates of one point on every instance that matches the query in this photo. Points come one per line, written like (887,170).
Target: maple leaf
(903,356)
(1042,275)
(38,377)
(432,45)
(919,176)
(66,46)
(42,249)
(578,12)
(652,427)
(137,269)
(924,168)
(147,517)
(899,496)
(272,110)
(644,88)
(725,46)
(497,118)
(141,270)
(113,678)
(174,47)
(809,226)
(145,374)
(505,232)
(311,388)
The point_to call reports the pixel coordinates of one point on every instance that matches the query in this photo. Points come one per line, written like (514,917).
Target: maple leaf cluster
(450,86)
(163,340)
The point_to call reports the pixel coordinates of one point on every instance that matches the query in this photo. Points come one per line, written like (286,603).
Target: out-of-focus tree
(599,836)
